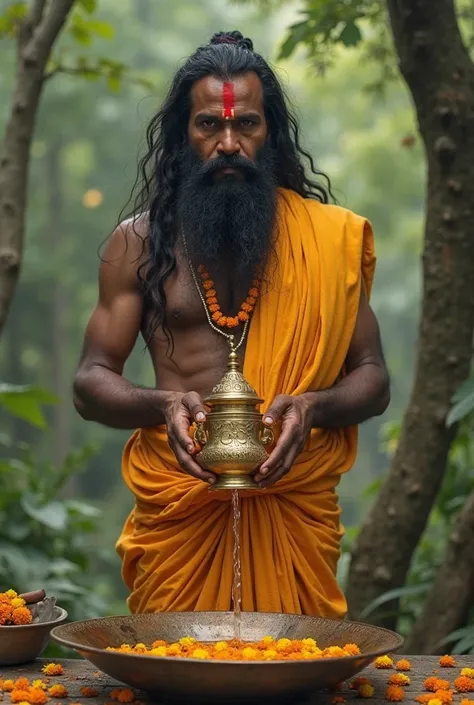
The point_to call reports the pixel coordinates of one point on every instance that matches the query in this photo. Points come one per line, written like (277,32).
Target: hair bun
(234,37)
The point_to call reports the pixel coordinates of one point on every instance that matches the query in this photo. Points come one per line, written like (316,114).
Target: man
(232,237)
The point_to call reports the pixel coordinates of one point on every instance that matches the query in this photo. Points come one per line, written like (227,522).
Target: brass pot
(232,437)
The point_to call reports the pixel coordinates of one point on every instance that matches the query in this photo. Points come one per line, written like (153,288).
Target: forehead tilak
(228,100)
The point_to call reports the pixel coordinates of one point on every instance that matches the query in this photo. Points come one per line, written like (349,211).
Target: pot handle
(200,433)
(266,435)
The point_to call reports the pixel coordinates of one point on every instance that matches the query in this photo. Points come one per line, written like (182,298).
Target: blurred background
(58,527)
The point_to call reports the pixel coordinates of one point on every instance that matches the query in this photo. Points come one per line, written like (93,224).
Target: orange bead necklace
(212,302)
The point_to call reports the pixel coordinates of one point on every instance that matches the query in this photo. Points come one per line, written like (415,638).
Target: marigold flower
(18,602)
(122,695)
(208,284)
(466,701)
(213,308)
(232,322)
(403,665)
(360,680)
(4,598)
(366,690)
(39,684)
(435,701)
(5,612)
(251,300)
(424,698)
(88,692)
(394,694)
(37,697)
(8,685)
(469,672)
(22,684)
(22,615)
(463,684)
(399,679)
(246,307)
(58,690)
(222,321)
(253,292)
(243,316)
(432,683)
(11,594)
(200,653)
(383,662)
(19,695)
(212,300)
(215,316)
(446,696)
(53,669)
(351,649)
(211,293)
(447,661)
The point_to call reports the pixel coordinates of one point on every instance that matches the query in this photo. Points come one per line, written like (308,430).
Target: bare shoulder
(126,248)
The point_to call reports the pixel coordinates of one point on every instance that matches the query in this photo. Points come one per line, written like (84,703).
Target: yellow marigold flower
(200,653)
(394,694)
(366,690)
(403,665)
(352,649)
(53,669)
(22,615)
(435,701)
(174,649)
(446,696)
(309,642)
(463,684)
(140,648)
(267,640)
(334,652)
(8,685)
(269,654)
(157,643)
(18,602)
(58,691)
(469,672)
(187,641)
(248,653)
(282,644)
(159,651)
(220,646)
(11,594)
(383,662)
(399,679)
(87,692)
(447,661)
(39,684)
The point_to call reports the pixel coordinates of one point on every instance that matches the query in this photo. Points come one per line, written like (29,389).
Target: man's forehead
(209,92)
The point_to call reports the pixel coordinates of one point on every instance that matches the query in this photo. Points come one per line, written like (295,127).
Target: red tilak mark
(228,98)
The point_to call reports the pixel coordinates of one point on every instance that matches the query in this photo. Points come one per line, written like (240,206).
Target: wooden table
(78,673)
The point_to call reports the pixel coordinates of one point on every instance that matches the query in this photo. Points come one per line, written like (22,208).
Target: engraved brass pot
(232,437)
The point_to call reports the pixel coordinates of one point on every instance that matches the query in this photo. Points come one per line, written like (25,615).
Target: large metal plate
(193,680)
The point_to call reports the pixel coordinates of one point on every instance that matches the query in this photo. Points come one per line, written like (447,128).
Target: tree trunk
(440,75)
(36,36)
(450,600)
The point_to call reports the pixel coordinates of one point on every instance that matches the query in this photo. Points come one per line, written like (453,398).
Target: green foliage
(9,19)
(25,402)
(463,402)
(46,539)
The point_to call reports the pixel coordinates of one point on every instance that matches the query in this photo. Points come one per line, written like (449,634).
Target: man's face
(227,118)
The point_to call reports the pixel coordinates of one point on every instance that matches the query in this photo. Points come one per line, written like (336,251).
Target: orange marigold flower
(53,669)
(88,692)
(232,322)
(366,690)
(383,662)
(216,315)
(208,284)
(8,685)
(22,615)
(5,612)
(4,598)
(464,684)
(403,665)
(210,293)
(37,696)
(352,649)
(222,321)
(122,695)
(243,316)
(251,300)
(19,696)
(246,307)
(466,701)
(424,698)
(394,694)
(253,292)
(58,691)
(360,680)
(447,661)
(432,683)
(446,696)
(210,300)
(22,684)
(213,308)
(399,679)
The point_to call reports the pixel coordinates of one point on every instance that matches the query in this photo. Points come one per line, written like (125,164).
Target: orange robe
(176,545)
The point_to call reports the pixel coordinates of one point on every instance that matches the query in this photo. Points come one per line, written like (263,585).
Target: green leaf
(464,402)
(24,402)
(397,593)
(350,35)
(114,82)
(82,509)
(53,514)
(89,6)
(101,29)
(465,645)
(297,34)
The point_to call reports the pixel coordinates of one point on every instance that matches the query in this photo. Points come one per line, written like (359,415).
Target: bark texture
(35,38)
(440,76)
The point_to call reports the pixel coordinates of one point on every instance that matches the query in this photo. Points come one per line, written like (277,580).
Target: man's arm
(362,393)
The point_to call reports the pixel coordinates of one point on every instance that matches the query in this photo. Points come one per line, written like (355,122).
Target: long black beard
(228,216)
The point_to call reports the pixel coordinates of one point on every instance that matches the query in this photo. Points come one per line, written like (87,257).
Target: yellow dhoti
(176,545)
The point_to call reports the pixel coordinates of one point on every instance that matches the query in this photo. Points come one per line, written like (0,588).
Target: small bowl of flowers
(26,621)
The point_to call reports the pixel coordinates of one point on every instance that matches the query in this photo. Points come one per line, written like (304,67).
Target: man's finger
(277,409)
(189,465)
(179,432)
(282,447)
(195,405)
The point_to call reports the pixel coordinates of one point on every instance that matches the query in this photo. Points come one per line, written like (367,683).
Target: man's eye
(246,122)
(208,123)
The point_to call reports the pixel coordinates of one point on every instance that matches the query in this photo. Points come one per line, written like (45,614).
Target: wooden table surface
(79,673)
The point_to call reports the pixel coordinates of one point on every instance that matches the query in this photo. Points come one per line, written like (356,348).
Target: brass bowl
(23,643)
(172,679)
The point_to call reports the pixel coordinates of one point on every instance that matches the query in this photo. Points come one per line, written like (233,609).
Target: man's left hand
(295,415)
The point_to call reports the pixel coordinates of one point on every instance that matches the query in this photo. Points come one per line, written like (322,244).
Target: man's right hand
(181,411)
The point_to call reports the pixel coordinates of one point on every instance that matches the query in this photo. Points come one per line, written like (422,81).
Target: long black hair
(227,55)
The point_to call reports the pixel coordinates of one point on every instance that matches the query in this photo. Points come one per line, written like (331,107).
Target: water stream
(237,578)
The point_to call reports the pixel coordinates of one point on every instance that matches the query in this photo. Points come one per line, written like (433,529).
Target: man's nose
(229,141)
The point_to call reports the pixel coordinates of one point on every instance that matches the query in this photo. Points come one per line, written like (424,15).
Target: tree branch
(450,599)
(35,44)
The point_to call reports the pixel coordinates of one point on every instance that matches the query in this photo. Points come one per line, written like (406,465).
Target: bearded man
(230,236)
